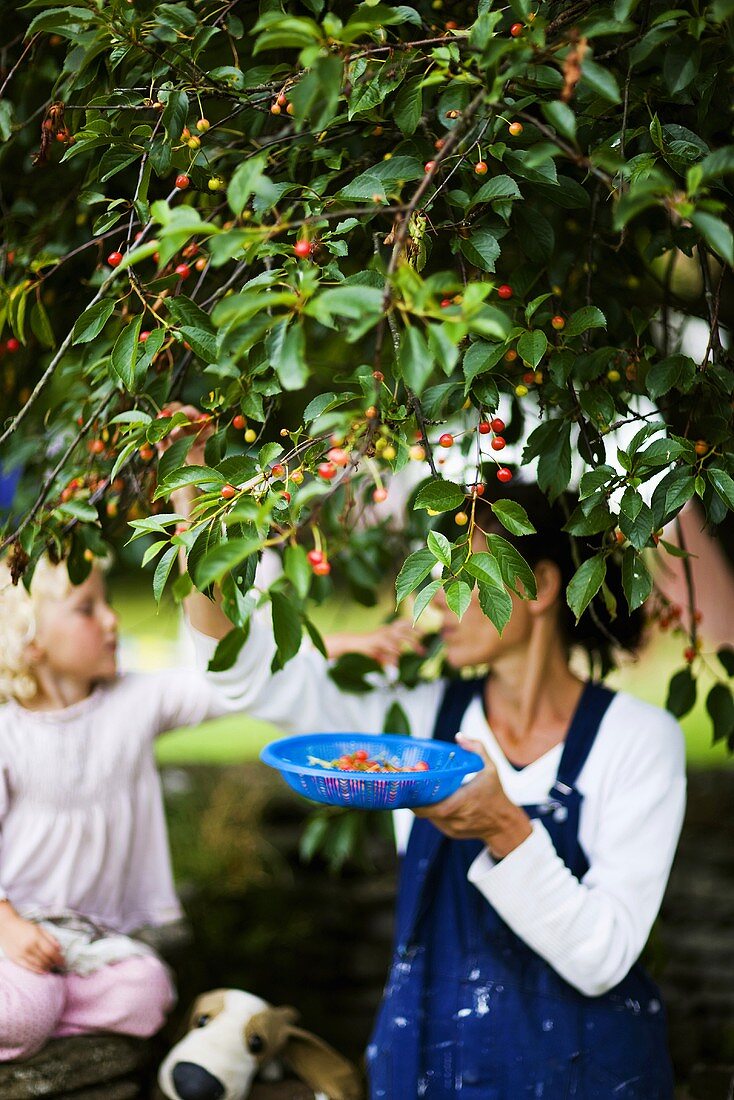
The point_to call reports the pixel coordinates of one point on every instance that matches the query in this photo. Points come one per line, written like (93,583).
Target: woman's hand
(27,944)
(200,426)
(480,810)
(385,644)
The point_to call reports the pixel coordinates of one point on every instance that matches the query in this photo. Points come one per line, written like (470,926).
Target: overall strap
(456,698)
(592,707)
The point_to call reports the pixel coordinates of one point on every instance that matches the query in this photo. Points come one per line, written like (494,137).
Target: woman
(525,898)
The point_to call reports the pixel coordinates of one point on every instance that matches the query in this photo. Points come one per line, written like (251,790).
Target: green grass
(152,635)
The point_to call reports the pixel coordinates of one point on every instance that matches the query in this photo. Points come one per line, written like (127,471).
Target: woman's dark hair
(596,632)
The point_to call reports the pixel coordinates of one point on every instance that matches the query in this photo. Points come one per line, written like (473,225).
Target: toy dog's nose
(193,1082)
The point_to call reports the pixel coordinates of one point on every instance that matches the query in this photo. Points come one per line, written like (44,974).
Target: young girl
(526,898)
(83,850)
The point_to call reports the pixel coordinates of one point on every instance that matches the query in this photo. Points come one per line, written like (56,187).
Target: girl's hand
(29,945)
(384,644)
(480,810)
(200,426)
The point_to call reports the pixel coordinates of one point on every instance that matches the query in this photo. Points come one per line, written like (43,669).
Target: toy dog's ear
(266,1032)
(320,1066)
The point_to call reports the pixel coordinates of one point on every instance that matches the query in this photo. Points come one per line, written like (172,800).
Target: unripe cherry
(114,259)
(282,100)
(277,470)
(275,109)
(203,125)
(297,477)
(510,355)
(558,322)
(461,519)
(498,443)
(515,128)
(201,263)
(613,375)
(371,413)
(322,569)
(521,390)
(96,446)
(446,440)
(429,166)
(379,495)
(250,435)
(417,453)
(481,168)
(338,456)
(701,446)
(504,291)
(182,181)
(504,475)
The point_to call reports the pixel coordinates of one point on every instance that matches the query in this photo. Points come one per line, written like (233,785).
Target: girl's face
(76,636)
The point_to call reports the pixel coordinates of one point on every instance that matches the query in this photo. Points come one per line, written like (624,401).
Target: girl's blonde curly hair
(19,621)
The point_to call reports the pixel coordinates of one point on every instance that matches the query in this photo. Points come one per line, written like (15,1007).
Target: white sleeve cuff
(493,877)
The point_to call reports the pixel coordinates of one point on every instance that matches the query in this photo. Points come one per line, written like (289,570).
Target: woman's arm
(592,932)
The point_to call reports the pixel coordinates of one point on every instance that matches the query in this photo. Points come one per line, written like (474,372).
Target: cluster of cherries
(360,761)
(498,443)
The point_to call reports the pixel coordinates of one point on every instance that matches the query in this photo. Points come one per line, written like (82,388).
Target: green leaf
(163,571)
(286,346)
(92,321)
(585,583)
(440,547)
(423,599)
(174,113)
(532,347)
(485,568)
(583,319)
(675,372)
(440,496)
(513,516)
(409,105)
(287,630)
(723,485)
(324,403)
(481,249)
(636,579)
(458,597)
(716,233)
(416,362)
(247,180)
(125,353)
(516,573)
(561,117)
(720,706)
(499,187)
(681,693)
(225,654)
(223,558)
(297,570)
(635,518)
(496,604)
(601,81)
(415,569)
(479,358)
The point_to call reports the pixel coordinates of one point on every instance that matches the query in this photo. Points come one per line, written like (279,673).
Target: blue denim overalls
(470,1009)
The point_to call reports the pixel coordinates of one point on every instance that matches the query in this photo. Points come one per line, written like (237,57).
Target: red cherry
(528,377)
(558,322)
(338,456)
(504,291)
(378,376)
(143,337)
(422,766)
(476,490)
(146,452)
(429,166)
(228,491)
(481,168)
(361,754)
(96,446)
(498,425)
(277,470)
(446,302)
(322,569)
(183,271)
(238,422)
(182,182)
(114,259)
(287,497)
(690,654)
(484,427)
(516,30)
(504,475)
(498,443)
(302,248)
(446,440)
(315,557)
(326,470)
(12,344)
(379,495)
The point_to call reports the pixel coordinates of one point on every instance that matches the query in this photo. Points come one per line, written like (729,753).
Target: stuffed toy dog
(237,1046)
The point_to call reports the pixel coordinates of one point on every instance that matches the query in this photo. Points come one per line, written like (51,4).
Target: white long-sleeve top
(633,786)
(81,813)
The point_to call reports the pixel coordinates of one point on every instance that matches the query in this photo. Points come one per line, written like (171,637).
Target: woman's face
(476,641)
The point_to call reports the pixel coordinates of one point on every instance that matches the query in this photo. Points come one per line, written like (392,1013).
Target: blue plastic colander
(365,790)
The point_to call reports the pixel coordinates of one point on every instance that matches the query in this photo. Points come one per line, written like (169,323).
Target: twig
(688,574)
(12,72)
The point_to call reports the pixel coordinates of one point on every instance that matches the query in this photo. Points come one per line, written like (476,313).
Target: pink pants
(129,997)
